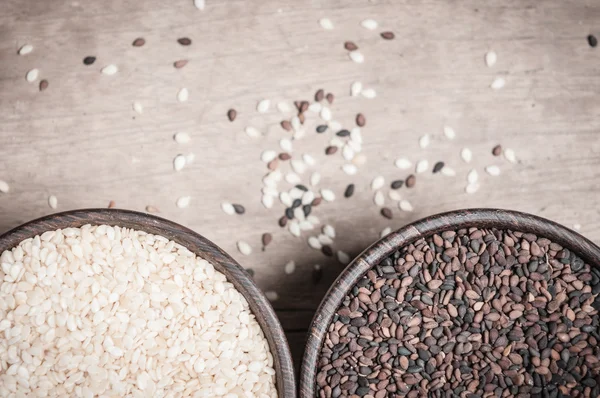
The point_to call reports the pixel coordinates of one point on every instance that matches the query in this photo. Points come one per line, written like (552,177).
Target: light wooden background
(81,141)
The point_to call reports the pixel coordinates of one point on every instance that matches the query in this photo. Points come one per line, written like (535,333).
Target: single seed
(4,187)
(379,199)
(321,128)
(349,191)
(397,184)
(472,176)
(370,24)
(327,250)
(438,167)
(89,60)
(200,4)
(387,213)
(448,171)
(343,257)
(183,95)
(355,88)
(239,209)
(112,204)
(52,202)
(369,93)
(498,83)
(263,106)
(183,202)
(289,268)
(179,162)
(497,150)
(350,46)
(284,156)
(25,49)
(493,170)
(394,195)
(330,150)
(184,41)
(139,42)
(32,75)
(405,205)
(152,209)
(360,120)
(466,155)
(182,138)
(327,195)
(449,132)
(509,155)
(403,163)
(252,132)
(424,141)
(330,97)
(377,183)
(388,35)
(180,63)
(490,58)
(319,95)
(138,107)
(472,188)
(592,41)
(266,239)
(231,114)
(356,56)
(244,248)
(326,23)
(43,85)
(411,180)
(422,166)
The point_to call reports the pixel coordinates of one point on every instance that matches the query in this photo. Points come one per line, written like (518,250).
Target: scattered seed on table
(183,95)
(182,138)
(308,197)
(138,42)
(316,201)
(294,228)
(411,180)
(370,24)
(438,167)
(267,156)
(286,199)
(359,159)
(347,152)
(356,136)
(405,205)
(329,230)
(266,239)
(349,191)
(472,188)
(283,221)
(422,166)
(490,58)
(369,93)
(263,106)
(497,150)
(493,170)
(377,183)
(317,274)
(285,144)
(296,123)
(152,209)
(449,132)
(509,155)
(355,88)
(424,141)
(307,210)
(179,162)
(308,159)
(183,202)
(387,213)
(303,106)
(403,163)
(448,171)
(43,85)
(231,114)
(252,132)
(576,227)
(292,178)
(290,267)
(112,204)
(327,195)
(184,41)
(466,155)
(349,169)
(388,35)
(395,195)
(350,46)
(284,156)
(472,176)
(4,187)
(498,83)
(314,243)
(227,208)
(271,295)
(239,209)
(298,166)
(326,23)
(356,56)
(319,95)
(379,199)
(397,184)
(360,120)
(200,4)
(32,75)
(89,60)
(315,107)
(244,248)
(592,41)
(327,250)
(385,232)
(343,257)
(110,70)
(180,63)
(325,114)
(315,178)
(325,240)
(25,49)
(330,150)
(330,97)
(138,107)
(52,202)
(343,133)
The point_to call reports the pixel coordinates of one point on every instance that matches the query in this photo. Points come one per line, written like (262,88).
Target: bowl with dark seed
(470,303)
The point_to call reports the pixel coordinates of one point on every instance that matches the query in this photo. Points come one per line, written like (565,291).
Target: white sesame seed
(472,176)
(314,243)
(25,49)
(307,197)
(52,202)
(4,188)
(355,135)
(493,170)
(395,195)
(466,155)
(424,141)
(285,144)
(179,162)
(182,138)
(509,155)
(227,208)
(347,152)
(315,107)
(200,4)
(298,166)
(283,107)
(296,193)
(403,163)
(271,295)
(329,230)
(379,199)
(337,142)
(290,267)
(294,228)
(267,156)
(325,114)
(369,93)
(359,159)
(189,158)
(577,227)
(263,106)
(110,70)
(306,225)
(370,24)
(490,58)
(325,239)
(252,132)
(299,214)
(293,178)
(343,257)
(377,183)
(183,95)
(448,171)
(449,132)
(334,125)
(244,248)
(498,83)
(386,231)
(183,202)
(356,56)
(314,220)
(422,166)
(349,169)
(472,188)
(285,199)
(327,195)
(315,178)
(326,23)
(32,75)
(355,89)
(138,107)
(405,205)
(308,159)
(267,201)
(270,191)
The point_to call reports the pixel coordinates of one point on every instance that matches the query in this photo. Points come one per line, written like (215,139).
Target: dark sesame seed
(386,212)
(140,41)
(89,60)
(231,114)
(350,46)
(411,180)
(343,133)
(388,35)
(286,125)
(360,120)
(397,184)
(327,250)
(284,156)
(330,97)
(302,187)
(283,221)
(592,41)
(289,213)
(497,150)
(43,85)
(306,209)
(184,41)
(321,128)
(437,167)
(266,239)
(239,209)
(319,95)
(330,150)
(349,190)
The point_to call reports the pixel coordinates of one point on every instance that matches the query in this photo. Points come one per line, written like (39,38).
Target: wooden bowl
(260,306)
(482,218)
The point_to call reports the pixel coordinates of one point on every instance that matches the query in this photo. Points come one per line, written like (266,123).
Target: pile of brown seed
(468,313)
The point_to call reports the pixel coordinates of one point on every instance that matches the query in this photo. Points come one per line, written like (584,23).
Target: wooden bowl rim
(374,254)
(260,306)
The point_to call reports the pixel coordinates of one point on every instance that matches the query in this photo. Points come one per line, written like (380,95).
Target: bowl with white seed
(107,302)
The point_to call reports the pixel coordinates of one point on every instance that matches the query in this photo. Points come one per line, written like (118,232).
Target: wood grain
(81,141)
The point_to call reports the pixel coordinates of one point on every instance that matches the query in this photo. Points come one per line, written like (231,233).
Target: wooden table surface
(81,141)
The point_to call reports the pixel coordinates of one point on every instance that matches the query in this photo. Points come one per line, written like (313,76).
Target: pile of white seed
(109,311)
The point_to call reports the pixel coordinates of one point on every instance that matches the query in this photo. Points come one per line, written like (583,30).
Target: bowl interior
(481,218)
(201,246)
